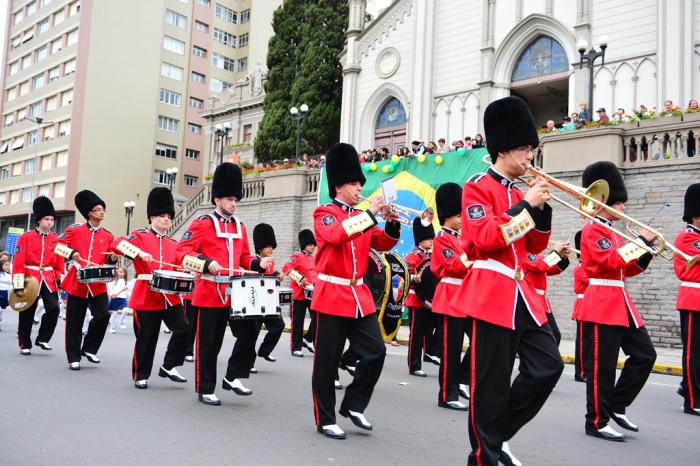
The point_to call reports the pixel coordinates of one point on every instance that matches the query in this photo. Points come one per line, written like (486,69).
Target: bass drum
(425,289)
(388,280)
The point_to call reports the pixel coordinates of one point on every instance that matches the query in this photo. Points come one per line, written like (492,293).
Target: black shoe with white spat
(357,418)
(44,346)
(171,374)
(623,422)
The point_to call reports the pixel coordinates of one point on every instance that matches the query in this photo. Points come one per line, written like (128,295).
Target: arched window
(392,114)
(543,56)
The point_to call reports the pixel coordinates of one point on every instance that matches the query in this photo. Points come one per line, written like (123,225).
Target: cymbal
(28,297)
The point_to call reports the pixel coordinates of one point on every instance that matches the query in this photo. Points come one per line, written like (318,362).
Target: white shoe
(167,330)
(91,357)
(308,345)
(141,384)
(111,330)
(75,366)
(464,391)
(25,351)
(505,450)
(298,354)
(332,431)
(189,358)
(338,385)
(237,386)
(171,374)
(122,326)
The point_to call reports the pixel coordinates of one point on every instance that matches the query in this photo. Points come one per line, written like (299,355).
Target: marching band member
(301,268)
(499,225)
(688,302)
(85,243)
(580,285)
(343,304)
(450,265)
(192,314)
(537,268)
(152,249)
(422,320)
(611,320)
(35,257)
(215,245)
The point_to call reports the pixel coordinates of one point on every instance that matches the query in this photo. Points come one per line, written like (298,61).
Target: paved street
(52,416)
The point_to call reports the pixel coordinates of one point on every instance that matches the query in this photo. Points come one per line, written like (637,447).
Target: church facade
(427,69)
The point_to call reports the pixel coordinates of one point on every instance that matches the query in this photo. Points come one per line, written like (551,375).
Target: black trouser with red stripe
(555,328)
(452,372)
(497,408)
(421,336)
(147,330)
(579,358)
(76,308)
(690,332)
(243,354)
(211,327)
(366,342)
(299,308)
(48,320)
(274,328)
(192,314)
(602,344)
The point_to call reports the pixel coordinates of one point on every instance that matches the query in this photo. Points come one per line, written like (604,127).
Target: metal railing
(662,139)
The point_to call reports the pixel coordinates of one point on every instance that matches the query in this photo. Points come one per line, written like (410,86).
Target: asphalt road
(50,415)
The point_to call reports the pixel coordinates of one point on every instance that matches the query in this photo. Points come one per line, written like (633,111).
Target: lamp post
(39,121)
(298,115)
(129,209)
(221,132)
(590,58)
(172,174)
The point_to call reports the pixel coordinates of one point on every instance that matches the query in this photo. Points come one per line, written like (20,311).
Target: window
(51,103)
(170,97)
(243,40)
(174,45)
(201,27)
(46,163)
(199,52)
(217,85)
(26,61)
(32,138)
(59,189)
(9,119)
(14,67)
(184,1)
(21,115)
(72,38)
(224,37)
(43,3)
(191,180)
(191,154)
(19,16)
(62,159)
(35,109)
(31,8)
(41,53)
(225,14)
(64,128)
(198,78)
(16,42)
(242,64)
(54,74)
(11,94)
(194,129)
(28,34)
(160,177)
(4,173)
(27,194)
(196,103)
(29,167)
(58,17)
(247,133)
(16,169)
(57,45)
(23,88)
(38,81)
(14,197)
(4,146)
(48,133)
(43,26)
(74,8)
(168,124)
(223,62)
(164,150)
(44,190)
(204,3)
(67,98)
(175,19)
(245,16)
(69,67)
(171,71)
(542,56)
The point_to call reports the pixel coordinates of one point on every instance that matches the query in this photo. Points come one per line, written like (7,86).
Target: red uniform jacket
(688,241)
(90,243)
(209,238)
(304,264)
(580,285)
(447,264)
(345,257)
(603,304)
(162,248)
(536,272)
(498,228)
(413,260)
(34,254)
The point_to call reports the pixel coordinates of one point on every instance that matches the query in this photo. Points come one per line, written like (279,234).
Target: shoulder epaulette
(475,177)
(74,225)
(204,217)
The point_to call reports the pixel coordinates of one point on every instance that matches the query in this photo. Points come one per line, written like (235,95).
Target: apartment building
(107,96)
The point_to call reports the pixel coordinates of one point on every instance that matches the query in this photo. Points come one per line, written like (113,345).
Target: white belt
(495,266)
(691,284)
(605,282)
(340,280)
(580,296)
(451,281)
(411,292)
(36,267)
(216,278)
(144,276)
(540,292)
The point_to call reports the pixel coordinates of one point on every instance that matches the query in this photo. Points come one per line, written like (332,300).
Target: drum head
(174,274)
(395,292)
(29,297)
(376,278)
(425,290)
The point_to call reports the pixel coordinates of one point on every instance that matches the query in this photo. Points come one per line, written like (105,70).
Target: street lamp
(221,136)
(298,115)
(39,121)
(129,208)
(590,58)
(171,174)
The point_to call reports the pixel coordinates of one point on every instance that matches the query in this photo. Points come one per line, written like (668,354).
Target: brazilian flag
(417,179)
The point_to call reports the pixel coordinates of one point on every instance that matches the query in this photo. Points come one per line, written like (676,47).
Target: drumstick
(179,267)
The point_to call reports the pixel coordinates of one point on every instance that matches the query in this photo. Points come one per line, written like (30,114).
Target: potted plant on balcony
(692,113)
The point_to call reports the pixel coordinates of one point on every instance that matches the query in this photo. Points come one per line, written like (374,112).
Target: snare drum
(309,292)
(171,282)
(286,296)
(254,296)
(97,274)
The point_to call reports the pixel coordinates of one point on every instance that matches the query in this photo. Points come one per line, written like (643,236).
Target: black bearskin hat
(160,201)
(263,236)
(420,232)
(508,123)
(43,207)
(86,200)
(692,203)
(577,240)
(448,198)
(228,181)
(306,237)
(606,171)
(342,166)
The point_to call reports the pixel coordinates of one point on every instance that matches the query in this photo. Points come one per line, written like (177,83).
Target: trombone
(405,214)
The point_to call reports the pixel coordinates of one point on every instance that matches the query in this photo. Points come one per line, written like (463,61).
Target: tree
(303,67)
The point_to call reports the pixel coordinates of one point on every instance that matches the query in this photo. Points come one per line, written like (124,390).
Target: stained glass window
(393,114)
(543,56)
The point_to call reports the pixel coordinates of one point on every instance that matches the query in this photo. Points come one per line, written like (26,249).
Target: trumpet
(572,253)
(405,214)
